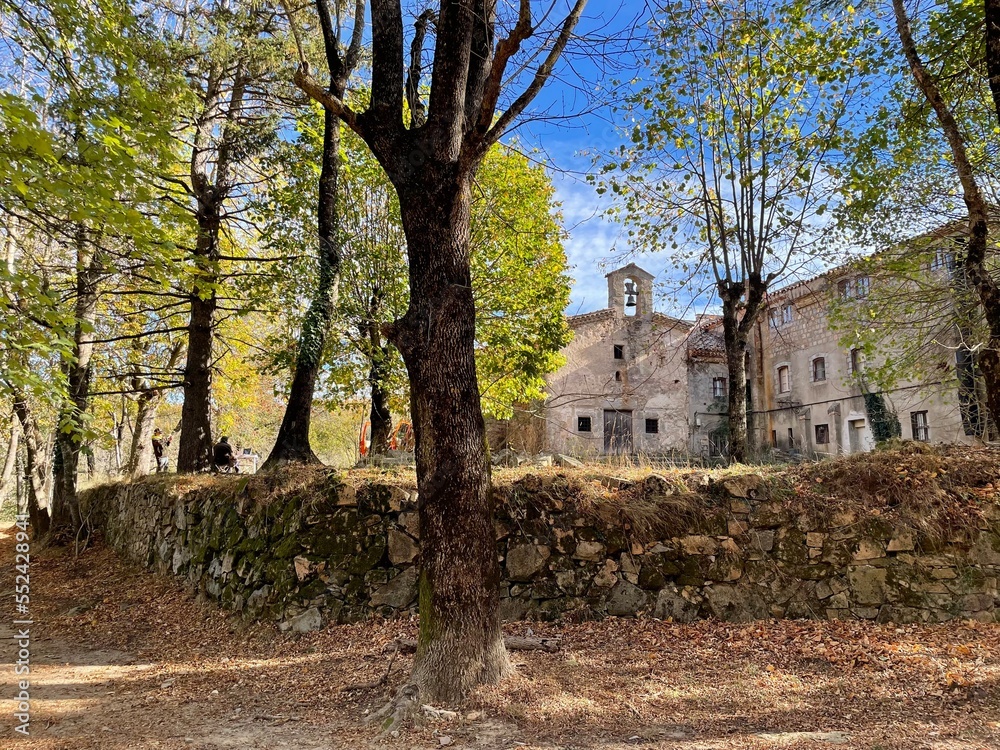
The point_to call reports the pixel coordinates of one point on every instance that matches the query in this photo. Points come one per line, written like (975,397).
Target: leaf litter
(122,658)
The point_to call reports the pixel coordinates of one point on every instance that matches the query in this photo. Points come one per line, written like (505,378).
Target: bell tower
(630,292)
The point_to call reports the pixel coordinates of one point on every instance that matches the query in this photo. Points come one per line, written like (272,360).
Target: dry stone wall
(330,552)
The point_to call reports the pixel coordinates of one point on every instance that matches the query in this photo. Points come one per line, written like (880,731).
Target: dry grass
(941,492)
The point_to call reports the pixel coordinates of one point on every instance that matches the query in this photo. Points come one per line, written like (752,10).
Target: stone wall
(314,550)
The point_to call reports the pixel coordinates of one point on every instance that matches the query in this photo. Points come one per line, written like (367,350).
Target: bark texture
(461,644)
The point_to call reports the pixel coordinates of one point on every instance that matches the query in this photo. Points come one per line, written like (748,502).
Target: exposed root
(512,642)
(403,707)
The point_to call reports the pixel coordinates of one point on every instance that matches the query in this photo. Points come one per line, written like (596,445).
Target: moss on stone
(287,547)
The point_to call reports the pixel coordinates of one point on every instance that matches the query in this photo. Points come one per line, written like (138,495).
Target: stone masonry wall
(325,551)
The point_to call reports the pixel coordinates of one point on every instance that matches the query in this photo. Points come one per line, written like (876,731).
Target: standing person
(159,450)
(222,456)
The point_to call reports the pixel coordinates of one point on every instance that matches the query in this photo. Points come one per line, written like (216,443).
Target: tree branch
(541,76)
(304,80)
(418,115)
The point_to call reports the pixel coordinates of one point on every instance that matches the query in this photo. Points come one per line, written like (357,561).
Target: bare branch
(317,92)
(418,115)
(541,76)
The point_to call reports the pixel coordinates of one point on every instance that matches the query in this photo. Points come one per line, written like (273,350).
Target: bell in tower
(630,292)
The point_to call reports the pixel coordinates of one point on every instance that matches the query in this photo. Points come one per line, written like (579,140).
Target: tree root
(512,642)
(405,705)
(401,708)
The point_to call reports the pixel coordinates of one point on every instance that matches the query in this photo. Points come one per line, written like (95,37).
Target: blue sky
(574,120)
(577,121)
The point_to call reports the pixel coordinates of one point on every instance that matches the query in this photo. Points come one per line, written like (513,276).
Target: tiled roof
(706,341)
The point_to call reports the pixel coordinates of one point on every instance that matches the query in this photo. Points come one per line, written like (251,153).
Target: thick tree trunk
(460,642)
(741,303)
(380,417)
(736,351)
(292,444)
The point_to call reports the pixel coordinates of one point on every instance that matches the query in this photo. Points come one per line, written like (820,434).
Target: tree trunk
(460,642)
(736,352)
(380,416)
(140,457)
(975,264)
(35,468)
(64,512)
(195,449)
(741,303)
(292,444)
(10,460)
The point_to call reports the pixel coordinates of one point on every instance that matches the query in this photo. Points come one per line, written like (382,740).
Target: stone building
(812,395)
(629,385)
(637,381)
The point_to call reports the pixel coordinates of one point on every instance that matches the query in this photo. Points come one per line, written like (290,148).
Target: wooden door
(617,432)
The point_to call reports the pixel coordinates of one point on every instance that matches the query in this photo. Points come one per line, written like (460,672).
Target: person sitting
(159,450)
(222,456)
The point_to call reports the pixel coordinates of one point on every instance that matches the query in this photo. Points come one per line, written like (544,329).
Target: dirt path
(124,659)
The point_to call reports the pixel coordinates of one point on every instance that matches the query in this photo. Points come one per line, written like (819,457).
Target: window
(861,287)
(857,361)
(619,351)
(944,259)
(583,424)
(618,375)
(918,423)
(652,426)
(857,288)
(774,438)
(791,438)
(719,387)
(822,434)
(781,316)
(784,381)
(819,369)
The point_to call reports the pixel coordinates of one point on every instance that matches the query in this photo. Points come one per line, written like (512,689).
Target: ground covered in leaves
(125,659)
